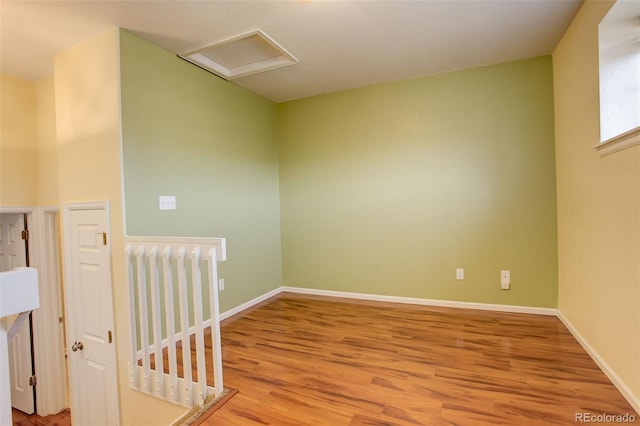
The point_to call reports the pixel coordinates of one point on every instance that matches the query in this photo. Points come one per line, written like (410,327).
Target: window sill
(620,142)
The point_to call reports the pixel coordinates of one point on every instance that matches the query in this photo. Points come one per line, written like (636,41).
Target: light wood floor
(304,360)
(300,360)
(60,419)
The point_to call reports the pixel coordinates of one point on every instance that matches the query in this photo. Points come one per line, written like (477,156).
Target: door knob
(77,346)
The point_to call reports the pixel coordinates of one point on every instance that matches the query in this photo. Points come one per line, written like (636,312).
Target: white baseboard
(424,302)
(606,369)
(249,304)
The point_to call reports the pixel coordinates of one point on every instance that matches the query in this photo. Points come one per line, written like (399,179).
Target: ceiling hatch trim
(242,55)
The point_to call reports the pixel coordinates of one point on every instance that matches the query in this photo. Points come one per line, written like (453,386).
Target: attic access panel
(241,56)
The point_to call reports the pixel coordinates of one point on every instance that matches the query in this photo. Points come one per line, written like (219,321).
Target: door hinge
(33,381)
(104,237)
(24,234)
(110,335)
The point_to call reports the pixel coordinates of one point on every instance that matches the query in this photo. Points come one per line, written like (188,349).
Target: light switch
(167,202)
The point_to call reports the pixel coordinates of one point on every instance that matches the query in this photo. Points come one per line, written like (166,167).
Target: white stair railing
(173,295)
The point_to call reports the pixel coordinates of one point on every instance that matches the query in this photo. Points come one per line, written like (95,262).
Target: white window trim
(618,143)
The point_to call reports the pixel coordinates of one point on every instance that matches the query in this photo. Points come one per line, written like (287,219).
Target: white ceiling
(340,44)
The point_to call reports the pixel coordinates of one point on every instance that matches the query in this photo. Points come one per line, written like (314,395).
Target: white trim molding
(11,210)
(392,299)
(424,302)
(249,304)
(618,143)
(633,399)
(89,205)
(48,343)
(51,396)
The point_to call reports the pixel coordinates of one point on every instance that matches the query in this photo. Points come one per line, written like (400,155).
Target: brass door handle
(77,346)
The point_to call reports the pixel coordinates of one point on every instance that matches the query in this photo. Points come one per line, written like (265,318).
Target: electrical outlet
(167,202)
(505,280)
(459,273)
(221,284)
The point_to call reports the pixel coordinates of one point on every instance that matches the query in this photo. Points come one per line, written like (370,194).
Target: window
(619,49)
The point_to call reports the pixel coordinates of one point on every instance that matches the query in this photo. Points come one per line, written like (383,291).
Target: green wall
(389,188)
(211,144)
(381,190)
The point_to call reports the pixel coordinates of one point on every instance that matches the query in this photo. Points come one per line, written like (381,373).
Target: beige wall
(87,87)
(29,170)
(47,149)
(18,142)
(598,210)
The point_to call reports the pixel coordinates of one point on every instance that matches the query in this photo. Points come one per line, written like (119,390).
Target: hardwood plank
(311,360)
(21,419)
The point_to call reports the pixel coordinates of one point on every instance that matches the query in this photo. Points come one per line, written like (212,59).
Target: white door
(89,305)
(13,254)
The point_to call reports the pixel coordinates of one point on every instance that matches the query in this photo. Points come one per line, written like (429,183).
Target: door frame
(49,362)
(21,348)
(68,271)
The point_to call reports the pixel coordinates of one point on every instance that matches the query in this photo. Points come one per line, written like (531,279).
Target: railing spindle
(196,279)
(216,342)
(133,354)
(156,317)
(170,319)
(143,315)
(184,327)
